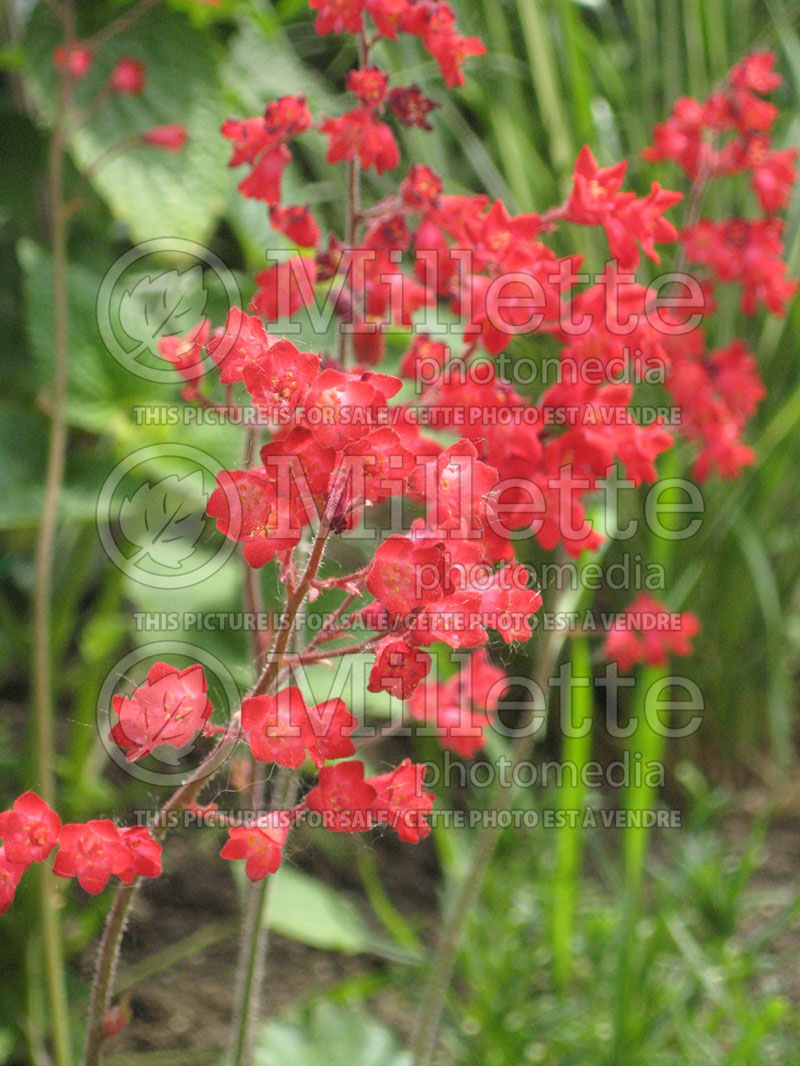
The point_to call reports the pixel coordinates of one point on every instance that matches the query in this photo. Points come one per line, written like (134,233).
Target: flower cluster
(92,852)
(481,465)
(647,632)
(728,134)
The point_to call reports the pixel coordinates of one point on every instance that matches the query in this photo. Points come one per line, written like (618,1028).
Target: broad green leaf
(331,1034)
(155,193)
(307,910)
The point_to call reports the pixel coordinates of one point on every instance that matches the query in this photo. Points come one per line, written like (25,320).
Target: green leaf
(329,1034)
(307,910)
(155,193)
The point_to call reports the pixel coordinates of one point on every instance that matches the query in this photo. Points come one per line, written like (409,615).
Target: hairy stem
(108,953)
(253,947)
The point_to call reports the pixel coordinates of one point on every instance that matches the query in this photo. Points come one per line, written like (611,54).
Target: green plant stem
(434,993)
(42,679)
(108,953)
(575,753)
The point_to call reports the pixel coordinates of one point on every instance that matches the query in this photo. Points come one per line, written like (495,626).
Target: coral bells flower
(343,798)
(647,632)
(264,180)
(399,668)
(508,604)
(284,288)
(127,77)
(171,707)
(29,830)
(242,342)
(92,852)
(75,58)
(279,378)
(186,353)
(248,509)
(297,223)
(460,708)
(368,85)
(144,854)
(412,106)
(171,137)
(10,877)
(402,802)
(260,844)
(282,729)
(357,134)
(337,16)
(756,72)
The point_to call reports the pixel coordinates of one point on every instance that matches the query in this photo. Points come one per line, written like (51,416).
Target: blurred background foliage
(694,975)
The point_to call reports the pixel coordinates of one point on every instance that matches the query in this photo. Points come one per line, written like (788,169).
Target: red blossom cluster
(647,632)
(728,134)
(92,852)
(343,437)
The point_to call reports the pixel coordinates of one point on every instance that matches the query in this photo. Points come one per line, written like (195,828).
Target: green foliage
(335,1035)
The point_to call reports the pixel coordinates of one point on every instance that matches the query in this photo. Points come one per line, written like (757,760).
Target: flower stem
(253,947)
(108,953)
(42,673)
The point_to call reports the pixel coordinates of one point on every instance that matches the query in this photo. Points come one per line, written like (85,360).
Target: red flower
(343,798)
(422,188)
(402,802)
(399,668)
(277,727)
(279,378)
(595,190)
(243,342)
(264,180)
(329,727)
(75,58)
(248,508)
(10,877)
(284,288)
(412,106)
(127,77)
(756,72)
(358,134)
(283,729)
(93,852)
(508,604)
(388,15)
(460,708)
(369,85)
(436,25)
(170,708)
(406,574)
(648,632)
(261,844)
(144,854)
(337,16)
(297,223)
(171,137)
(378,466)
(29,830)
(344,407)
(283,119)
(186,353)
